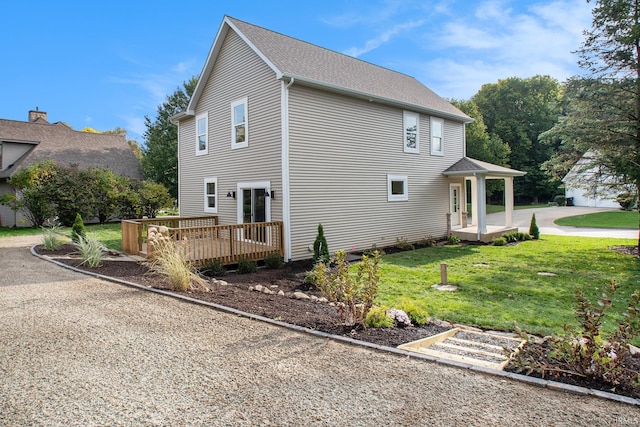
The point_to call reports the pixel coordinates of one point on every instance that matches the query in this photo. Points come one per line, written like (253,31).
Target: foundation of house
(470,234)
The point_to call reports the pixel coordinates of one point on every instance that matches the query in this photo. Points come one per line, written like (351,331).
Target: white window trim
(208,209)
(405,115)
(397,197)
(433,151)
(204,116)
(235,144)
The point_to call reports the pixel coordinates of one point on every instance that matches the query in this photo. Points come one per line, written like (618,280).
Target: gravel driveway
(82,351)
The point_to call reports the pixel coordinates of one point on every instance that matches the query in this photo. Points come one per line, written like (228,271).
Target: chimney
(35,115)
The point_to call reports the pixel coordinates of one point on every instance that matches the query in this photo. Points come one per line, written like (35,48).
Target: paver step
(475,348)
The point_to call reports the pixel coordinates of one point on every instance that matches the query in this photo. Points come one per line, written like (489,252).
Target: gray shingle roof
(67,147)
(310,64)
(468,166)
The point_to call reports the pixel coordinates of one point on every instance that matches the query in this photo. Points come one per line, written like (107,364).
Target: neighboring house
(26,143)
(282,130)
(592,185)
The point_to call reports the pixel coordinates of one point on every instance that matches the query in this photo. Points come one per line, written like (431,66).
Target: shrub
(50,238)
(516,236)
(273,261)
(378,318)
(352,294)
(321,248)
(453,239)
(77,230)
(499,241)
(626,200)
(417,313)
(403,243)
(586,351)
(246,266)
(534,231)
(90,250)
(213,268)
(428,241)
(171,260)
(560,200)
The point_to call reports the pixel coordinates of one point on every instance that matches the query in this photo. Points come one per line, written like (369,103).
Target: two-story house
(279,129)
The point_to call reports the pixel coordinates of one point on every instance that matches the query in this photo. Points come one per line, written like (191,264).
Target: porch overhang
(478,172)
(472,167)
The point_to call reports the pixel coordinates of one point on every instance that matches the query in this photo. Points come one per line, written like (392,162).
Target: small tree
(32,186)
(320,248)
(77,230)
(153,196)
(534,231)
(352,295)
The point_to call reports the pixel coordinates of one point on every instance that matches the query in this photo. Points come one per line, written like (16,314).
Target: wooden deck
(204,240)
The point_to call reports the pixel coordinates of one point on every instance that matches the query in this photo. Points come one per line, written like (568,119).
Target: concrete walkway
(545,218)
(82,351)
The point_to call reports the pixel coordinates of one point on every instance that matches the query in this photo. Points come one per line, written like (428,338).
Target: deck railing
(227,243)
(134,231)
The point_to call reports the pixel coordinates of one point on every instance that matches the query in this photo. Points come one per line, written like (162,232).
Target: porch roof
(467,166)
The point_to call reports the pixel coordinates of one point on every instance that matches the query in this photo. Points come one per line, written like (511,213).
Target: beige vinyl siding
(238,73)
(341,151)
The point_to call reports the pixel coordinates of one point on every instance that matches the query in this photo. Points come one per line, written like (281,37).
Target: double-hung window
(411,122)
(239,124)
(202,134)
(211,195)
(437,139)
(397,188)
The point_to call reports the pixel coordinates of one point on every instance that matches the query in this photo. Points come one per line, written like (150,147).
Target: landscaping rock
(281,292)
(634,351)
(300,295)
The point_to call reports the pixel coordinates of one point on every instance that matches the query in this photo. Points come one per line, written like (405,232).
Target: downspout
(286,189)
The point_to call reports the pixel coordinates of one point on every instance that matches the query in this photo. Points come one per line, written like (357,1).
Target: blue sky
(109,64)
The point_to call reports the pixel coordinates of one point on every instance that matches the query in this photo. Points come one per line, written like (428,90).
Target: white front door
(454,200)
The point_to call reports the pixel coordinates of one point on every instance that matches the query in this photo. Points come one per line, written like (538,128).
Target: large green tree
(517,110)
(604,113)
(160,153)
(480,144)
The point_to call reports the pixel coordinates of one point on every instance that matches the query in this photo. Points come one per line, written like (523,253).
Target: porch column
(508,201)
(482,205)
(474,200)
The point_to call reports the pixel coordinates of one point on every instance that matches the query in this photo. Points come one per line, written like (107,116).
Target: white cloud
(148,91)
(382,38)
(496,42)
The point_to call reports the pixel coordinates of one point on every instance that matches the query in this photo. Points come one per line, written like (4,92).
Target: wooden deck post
(443,274)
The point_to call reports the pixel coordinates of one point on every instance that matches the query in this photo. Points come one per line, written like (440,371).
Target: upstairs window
(397,188)
(239,124)
(211,195)
(202,134)
(437,140)
(411,132)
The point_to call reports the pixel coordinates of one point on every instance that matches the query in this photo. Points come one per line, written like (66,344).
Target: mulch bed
(305,313)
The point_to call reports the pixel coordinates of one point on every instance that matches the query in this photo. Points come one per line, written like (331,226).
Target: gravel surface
(82,351)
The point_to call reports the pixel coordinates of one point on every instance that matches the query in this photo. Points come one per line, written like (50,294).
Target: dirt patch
(626,250)
(313,315)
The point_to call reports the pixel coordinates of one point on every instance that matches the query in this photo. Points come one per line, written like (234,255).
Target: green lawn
(109,234)
(500,208)
(614,219)
(501,285)
(14,232)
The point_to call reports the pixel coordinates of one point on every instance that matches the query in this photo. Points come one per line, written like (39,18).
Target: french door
(254,207)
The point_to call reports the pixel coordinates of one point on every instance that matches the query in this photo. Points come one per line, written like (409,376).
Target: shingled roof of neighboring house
(313,65)
(68,147)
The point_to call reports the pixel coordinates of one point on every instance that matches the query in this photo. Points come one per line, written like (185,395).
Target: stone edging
(553,385)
